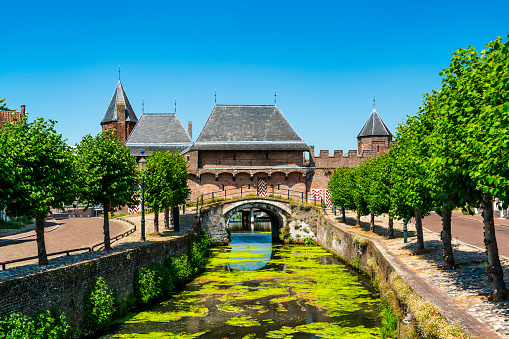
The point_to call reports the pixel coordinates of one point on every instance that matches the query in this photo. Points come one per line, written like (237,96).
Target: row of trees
(39,171)
(452,154)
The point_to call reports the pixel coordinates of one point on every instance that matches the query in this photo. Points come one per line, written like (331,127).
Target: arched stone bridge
(215,217)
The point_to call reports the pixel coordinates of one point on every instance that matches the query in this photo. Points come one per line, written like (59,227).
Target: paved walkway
(71,233)
(132,241)
(467,285)
(469,229)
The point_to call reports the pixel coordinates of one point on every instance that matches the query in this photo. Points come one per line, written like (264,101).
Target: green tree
(107,175)
(379,198)
(360,189)
(3,106)
(166,181)
(36,173)
(475,90)
(409,189)
(340,188)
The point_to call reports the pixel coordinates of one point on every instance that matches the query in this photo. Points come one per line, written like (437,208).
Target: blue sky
(325,58)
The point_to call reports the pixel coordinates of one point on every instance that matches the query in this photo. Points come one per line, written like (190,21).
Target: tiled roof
(238,127)
(111,111)
(374,126)
(158,131)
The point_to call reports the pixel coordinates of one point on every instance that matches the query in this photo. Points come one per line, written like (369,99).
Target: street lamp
(142,165)
(405,230)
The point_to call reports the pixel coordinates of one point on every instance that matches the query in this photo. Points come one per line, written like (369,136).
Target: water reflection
(260,225)
(250,251)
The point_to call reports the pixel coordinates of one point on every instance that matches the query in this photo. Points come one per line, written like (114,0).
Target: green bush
(388,320)
(199,253)
(99,306)
(49,325)
(10,225)
(152,282)
(180,269)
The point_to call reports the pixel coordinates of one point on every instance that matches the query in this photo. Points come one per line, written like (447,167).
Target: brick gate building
(241,146)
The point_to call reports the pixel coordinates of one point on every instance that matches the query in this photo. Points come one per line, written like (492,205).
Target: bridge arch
(277,212)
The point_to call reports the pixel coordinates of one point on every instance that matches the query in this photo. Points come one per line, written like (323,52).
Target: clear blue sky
(325,58)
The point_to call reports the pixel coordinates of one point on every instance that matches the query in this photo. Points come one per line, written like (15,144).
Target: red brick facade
(11,116)
(214,171)
(121,131)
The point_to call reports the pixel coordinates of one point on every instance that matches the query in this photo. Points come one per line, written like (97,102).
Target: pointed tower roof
(374,126)
(111,112)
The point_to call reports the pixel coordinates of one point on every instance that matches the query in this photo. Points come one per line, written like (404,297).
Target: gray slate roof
(111,111)
(158,131)
(374,126)
(250,127)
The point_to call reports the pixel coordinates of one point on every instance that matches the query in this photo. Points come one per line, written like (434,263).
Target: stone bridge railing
(250,191)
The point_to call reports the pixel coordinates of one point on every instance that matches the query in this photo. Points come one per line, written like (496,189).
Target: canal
(255,289)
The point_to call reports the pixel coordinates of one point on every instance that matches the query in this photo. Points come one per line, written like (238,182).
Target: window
(234,155)
(378,148)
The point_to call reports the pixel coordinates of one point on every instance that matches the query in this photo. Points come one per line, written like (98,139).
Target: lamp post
(142,165)
(405,229)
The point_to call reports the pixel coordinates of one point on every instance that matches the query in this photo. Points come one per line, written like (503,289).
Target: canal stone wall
(405,289)
(65,287)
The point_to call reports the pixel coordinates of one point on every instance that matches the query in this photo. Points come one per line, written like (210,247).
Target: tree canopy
(166,180)
(36,173)
(3,105)
(107,175)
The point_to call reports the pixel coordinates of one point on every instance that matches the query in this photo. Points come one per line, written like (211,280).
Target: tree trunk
(175,218)
(358,219)
(156,220)
(167,218)
(499,290)
(372,223)
(40,222)
(418,227)
(344,214)
(391,227)
(106,227)
(446,236)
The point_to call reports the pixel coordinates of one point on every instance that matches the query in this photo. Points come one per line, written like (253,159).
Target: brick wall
(9,116)
(249,158)
(66,287)
(122,136)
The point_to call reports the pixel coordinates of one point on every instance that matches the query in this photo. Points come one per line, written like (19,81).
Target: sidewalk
(132,241)
(467,285)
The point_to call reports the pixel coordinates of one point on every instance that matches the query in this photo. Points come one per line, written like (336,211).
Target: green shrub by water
(48,325)
(99,306)
(389,322)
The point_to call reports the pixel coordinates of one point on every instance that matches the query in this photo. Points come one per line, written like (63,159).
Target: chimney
(190,129)
(22,110)
(121,133)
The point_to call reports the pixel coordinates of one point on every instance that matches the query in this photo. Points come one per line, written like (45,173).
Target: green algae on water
(324,331)
(243,321)
(160,335)
(164,317)
(229,308)
(300,284)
